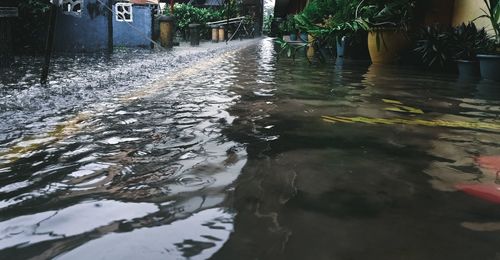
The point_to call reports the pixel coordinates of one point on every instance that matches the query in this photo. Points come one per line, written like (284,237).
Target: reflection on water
(367,161)
(243,156)
(123,159)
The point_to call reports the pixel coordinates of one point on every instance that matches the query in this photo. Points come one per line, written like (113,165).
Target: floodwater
(239,155)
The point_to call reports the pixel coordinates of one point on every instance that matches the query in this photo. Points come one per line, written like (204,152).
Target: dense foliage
(438,46)
(330,20)
(188,14)
(390,13)
(434,45)
(31,27)
(467,41)
(289,25)
(334,18)
(492,13)
(35,6)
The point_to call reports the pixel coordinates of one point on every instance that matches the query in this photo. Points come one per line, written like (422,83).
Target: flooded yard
(236,154)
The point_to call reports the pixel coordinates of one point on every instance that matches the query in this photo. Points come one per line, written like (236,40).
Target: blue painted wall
(134,34)
(87,33)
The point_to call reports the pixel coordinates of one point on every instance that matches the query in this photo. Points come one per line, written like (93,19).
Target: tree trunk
(49,44)
(6,55)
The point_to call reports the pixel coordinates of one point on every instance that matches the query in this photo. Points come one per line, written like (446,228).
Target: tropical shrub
(390,13)
(343,18)
(467,41)
(492,13)
(434,45)
(186,14)
(439,45)
(289,25)
(31,26)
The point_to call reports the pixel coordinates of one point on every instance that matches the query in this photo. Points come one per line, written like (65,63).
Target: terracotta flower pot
(388,47)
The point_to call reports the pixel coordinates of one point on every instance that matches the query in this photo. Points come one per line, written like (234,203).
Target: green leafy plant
(289,49)
(266,26)
(434,45)
(35,6)
(396,14)
(328,21)
(31,26)
(467,41)
(187,14)
(291,24)
(382,15)
(344,20)
(492,13)
(231,9)
(438,45)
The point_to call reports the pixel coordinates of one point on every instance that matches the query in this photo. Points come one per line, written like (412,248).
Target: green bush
(390,13)
(186,14)
(330,20)
(31,27)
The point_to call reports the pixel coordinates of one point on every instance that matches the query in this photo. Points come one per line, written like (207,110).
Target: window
(72,7)
(124,12)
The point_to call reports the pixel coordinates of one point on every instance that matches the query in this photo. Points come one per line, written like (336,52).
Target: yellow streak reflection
(416,122)
(30,144)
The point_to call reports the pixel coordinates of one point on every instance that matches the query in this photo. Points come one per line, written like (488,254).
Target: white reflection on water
(197,237)
(69,221)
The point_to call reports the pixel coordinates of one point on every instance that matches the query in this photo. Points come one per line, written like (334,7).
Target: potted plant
(490,59)
(466,41)
(345,23)
(335,27)
(389,22)
(288,28)
(309,22)
(433,46)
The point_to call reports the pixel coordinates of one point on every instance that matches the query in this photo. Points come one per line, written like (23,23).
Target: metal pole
(228,15)
(109,4)
(5,43)
(49,45)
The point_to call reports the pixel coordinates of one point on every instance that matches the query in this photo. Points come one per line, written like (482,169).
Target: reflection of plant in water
(290,49)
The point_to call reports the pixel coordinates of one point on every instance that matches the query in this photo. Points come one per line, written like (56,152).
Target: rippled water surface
(231,153)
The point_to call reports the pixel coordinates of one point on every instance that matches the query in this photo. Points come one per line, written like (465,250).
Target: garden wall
(136,33)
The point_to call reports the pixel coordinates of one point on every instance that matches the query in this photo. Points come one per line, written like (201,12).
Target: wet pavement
(235,154)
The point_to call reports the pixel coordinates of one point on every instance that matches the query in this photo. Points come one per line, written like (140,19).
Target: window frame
(119,15)
(72,3)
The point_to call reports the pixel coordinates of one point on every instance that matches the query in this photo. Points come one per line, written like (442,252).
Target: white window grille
(72,7)
(123,12)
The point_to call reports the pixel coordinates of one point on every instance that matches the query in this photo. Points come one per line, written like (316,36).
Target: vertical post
(49,44)
(109,4)
(166,31)
(195,34)
(228,17)
(5,43)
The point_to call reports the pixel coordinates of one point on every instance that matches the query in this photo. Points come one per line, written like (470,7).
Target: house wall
(429,12)
(134,34)
(467,10)
(284,7)
(86,33)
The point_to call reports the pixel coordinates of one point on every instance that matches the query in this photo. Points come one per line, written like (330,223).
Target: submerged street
(231,152)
